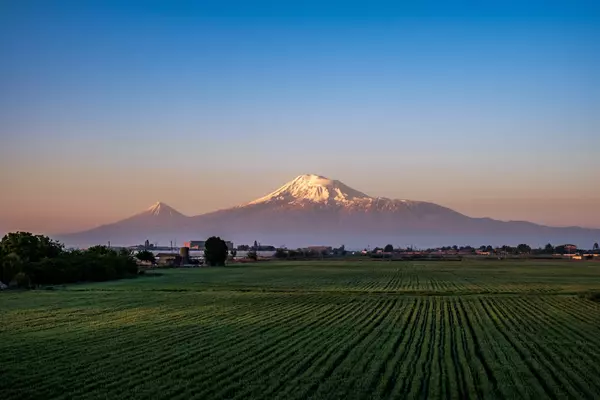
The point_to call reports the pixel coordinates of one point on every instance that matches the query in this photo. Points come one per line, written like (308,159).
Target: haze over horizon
(105,108)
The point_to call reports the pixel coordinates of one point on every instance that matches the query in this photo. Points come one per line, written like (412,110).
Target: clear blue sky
(486,108)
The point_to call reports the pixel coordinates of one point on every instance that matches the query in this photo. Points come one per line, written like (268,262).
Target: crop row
(306,345)
(449,278)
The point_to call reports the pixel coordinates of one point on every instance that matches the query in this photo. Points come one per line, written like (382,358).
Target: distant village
(192,252)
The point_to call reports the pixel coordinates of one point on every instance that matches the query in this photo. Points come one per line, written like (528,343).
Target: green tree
(388,248)
(549,249)
(29,247)
(100,250)
(37,260)
(146,255)
(215,251)
(10,265)
(523,249)
(596,247)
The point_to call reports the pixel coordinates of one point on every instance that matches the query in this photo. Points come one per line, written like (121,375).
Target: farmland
(356,329)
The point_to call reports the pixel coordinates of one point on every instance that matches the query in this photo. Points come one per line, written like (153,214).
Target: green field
(357,329)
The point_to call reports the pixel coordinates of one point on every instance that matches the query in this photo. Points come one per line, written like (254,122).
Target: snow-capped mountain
(313,189)
(162,210)
(314,209)
(317,191)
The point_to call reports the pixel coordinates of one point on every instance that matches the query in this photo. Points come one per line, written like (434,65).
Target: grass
(370,329)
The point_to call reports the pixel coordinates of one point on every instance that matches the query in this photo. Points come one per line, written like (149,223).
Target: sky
(490,108)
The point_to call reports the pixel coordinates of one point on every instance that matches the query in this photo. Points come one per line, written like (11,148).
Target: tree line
(28,260)
(519,249)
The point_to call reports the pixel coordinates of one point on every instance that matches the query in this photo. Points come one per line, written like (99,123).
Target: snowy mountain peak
(312,179)
(315,189)
(160,208)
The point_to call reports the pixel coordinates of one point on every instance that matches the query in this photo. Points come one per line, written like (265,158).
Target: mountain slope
(158,222)
(313,209)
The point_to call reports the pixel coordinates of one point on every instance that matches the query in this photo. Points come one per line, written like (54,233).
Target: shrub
(36,260)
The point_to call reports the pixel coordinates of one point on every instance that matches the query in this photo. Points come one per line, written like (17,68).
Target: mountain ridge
(313,207)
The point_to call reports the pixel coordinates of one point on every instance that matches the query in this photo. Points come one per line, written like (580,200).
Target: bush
(147,256)
(49,264)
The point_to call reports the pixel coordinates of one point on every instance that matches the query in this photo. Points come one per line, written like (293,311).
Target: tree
(10,265)
(388,248)
(100,250)
(125,253)
(146,255)
(549,249)
(523,249)
(509,249)
(29,247)
(255,247)
(37,260)
(215,251)
(596,247)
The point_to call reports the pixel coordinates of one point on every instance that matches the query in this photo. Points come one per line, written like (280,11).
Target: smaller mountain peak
(156,206)
(160,208)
